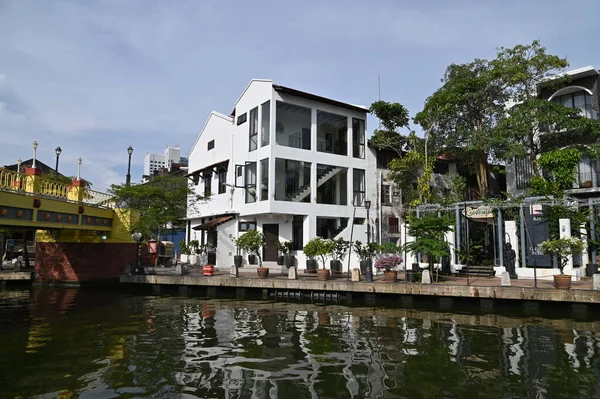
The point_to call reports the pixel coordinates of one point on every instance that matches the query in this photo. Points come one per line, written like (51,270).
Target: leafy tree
(393,116)
(461,116)
(162,202)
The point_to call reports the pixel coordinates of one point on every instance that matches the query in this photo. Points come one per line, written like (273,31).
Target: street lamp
(58,150)
(137,237)
(367,205)
(19,162)
(128,177)
(35,146)
(79,160)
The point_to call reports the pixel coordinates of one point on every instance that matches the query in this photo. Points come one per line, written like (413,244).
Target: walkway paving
(196,271)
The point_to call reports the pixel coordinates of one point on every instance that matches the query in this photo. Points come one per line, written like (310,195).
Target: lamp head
(137,237)
(35,145)
(79,160)
(19,161)
(367,204)
(130,150)
(58,150)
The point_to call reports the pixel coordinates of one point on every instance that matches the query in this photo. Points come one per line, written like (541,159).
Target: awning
(214,223)
(209,167)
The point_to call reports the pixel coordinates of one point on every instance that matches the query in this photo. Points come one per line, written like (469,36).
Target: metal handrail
(98,198)
(13,181)
(54,189)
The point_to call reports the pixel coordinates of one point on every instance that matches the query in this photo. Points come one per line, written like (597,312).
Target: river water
(69,343)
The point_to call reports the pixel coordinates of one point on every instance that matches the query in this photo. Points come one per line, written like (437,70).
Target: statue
(510,257)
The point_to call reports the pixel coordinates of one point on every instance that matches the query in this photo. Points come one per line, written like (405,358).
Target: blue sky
(97,76)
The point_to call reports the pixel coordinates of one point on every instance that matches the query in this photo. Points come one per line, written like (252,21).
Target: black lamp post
(128,178)
(367,204)
(58,150)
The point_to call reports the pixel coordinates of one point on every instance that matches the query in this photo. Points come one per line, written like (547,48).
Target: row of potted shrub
(319,249)
(193,252)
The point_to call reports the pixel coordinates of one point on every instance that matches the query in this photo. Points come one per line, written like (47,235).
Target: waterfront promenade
(478,288)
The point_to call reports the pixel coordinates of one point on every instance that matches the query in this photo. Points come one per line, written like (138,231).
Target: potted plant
(288,256)
(238,259)
(185,252)
(339,249)
(387,263)
(319,247)
(193,247)
(562,248)
(365,253)
(429,232)
(282,250)
(252,242)
(311,250)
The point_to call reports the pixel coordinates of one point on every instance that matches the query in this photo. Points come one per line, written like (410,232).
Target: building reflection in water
(151,346)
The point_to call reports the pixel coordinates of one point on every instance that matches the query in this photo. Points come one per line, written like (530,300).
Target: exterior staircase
(478,271)
(323,174)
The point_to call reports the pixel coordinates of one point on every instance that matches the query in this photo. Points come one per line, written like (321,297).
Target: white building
(156,162)
(285,162)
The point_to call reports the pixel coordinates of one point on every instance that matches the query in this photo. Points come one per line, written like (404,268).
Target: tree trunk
(482,176)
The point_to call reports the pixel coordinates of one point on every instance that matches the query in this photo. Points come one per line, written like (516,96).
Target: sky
(95,76)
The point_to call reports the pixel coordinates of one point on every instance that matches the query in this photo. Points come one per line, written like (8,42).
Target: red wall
(82,262)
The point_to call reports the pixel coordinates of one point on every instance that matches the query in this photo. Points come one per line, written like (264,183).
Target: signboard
(481,212)
(536,231)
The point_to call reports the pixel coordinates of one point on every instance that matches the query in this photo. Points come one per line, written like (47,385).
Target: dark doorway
(271,232)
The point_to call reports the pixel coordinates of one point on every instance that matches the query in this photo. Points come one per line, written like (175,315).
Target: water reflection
(70,343)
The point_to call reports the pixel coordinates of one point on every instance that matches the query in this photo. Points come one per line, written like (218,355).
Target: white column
(349,137)
(585,259)
(313,129)
(406,238)
(564,226)
(450,240)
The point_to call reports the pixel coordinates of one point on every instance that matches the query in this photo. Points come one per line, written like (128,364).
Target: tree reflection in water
(69,343)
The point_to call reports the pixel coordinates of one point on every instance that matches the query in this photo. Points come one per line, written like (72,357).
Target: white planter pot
(193,259)
(184,258)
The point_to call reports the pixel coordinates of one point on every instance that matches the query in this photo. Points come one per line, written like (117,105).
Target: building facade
(285,162)
(581,91)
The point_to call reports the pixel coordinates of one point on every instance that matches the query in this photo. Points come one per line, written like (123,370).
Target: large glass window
(332,185)
(358,138)
(250,182)
(332,133)
(222,179)
(253,129)
(265,123)
(330,227)
(358,184)
(292,180)
(580,100)
(264,179)
(292,125)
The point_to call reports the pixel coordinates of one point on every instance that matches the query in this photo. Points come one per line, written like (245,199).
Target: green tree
(461,116)
(161,203)
(392,116)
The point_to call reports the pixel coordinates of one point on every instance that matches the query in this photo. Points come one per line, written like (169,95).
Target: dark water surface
(69,343)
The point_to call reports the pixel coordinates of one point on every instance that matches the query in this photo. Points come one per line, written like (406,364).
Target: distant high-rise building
(155,163)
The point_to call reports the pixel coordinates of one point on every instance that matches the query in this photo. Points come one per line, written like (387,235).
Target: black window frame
(242,118)
(361,143)
(207,177)
(253,129)
(244,226)
(386,194)
(210,145)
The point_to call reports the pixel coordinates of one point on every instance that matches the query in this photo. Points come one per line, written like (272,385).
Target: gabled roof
(314,97)
(213,113)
